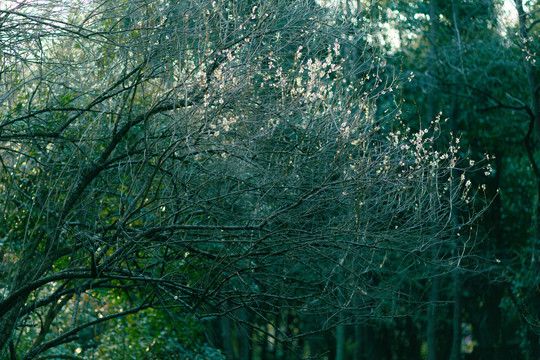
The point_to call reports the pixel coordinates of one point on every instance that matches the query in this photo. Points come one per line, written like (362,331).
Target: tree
(206,158)
(479,84)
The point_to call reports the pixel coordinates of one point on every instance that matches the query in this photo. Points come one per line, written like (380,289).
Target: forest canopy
(232,179)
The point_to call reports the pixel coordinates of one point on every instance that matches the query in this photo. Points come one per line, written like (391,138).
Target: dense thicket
(241,179)
(481,60)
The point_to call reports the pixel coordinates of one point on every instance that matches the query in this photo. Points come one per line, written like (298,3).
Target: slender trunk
(432,319)
(243,336)
(455,353)
(357,355)
(357,352)
(430,116)
(532,75)
(455,350)
(226,330)
(213,333)
(274,340)
(431,68)
(340,342)
(533,79)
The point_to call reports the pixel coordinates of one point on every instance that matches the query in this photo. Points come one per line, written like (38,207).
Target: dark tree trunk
(243,335)
(432,319)
(455,352)
(7,324)
(340,342)
(357,354)
(430,116)
(226,330)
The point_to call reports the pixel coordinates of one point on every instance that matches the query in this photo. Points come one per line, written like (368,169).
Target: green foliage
(155,334)
(265,162)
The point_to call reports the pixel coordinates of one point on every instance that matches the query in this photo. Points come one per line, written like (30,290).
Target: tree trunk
(455,350)
(533,79)
(431,68)
(455,353)
(243,335)
(430,116)
(226,330)
(432,319)
(532,75)
(340,342)
(7,324)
